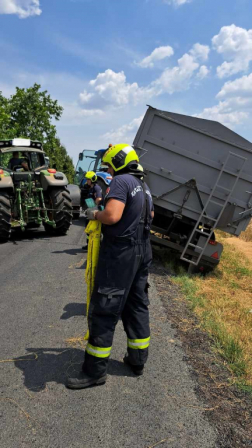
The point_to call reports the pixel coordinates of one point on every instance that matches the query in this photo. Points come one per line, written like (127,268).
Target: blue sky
(104,60)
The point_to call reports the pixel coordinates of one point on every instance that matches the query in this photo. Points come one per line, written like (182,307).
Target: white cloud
(225,113)
(157,55)
(200,52)
(235,45)
(179,78)
(239,87)
(112,89)
(235,105)
(126,132)
(177,2)
(22,8)
(203,72)
(85,97)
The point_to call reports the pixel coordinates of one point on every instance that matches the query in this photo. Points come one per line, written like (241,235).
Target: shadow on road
(31,235)
(46,365)
(28,234)
(74,309)
(76,251)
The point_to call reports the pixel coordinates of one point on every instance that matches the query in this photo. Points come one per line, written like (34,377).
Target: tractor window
(84,165)
(35,159)
(91,166)
(99,166)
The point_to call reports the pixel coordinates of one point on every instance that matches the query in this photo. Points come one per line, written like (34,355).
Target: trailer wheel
(5,217)
(59,200)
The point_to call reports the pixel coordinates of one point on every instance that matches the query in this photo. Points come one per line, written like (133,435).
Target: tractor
(84,164)
(31,193)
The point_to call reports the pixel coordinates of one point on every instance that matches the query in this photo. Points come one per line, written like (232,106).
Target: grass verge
(223,303)
(247,236)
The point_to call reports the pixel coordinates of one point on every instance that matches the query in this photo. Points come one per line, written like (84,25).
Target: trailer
(200,176)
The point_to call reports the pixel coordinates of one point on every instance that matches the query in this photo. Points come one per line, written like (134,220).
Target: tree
(32,112)
(29,113)
(5,118)
(59,159)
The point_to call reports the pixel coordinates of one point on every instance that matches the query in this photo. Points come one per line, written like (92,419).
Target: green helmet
(119,156)
(91,175)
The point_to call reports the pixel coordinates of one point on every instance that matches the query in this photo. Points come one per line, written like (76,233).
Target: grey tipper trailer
(200,176)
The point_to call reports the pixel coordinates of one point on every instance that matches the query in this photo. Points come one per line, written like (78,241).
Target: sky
(105,60)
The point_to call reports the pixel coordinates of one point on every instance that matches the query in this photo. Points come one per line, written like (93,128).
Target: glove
(90,213)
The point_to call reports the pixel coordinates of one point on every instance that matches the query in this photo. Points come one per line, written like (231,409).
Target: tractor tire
(5,217)
(58,199)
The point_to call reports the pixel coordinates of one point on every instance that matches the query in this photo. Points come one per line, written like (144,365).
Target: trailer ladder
(204,214)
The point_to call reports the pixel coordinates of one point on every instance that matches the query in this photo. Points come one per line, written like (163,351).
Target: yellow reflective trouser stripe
(139,343)
(99,352)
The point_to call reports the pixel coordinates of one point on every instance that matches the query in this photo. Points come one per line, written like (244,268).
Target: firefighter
(94,192)
(121,282)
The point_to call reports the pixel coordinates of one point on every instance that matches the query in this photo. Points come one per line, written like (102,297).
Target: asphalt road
(42,292)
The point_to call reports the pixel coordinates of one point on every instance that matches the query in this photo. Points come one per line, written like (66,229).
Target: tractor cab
(21,158)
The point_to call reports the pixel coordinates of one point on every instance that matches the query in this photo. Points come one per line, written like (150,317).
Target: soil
(230,408)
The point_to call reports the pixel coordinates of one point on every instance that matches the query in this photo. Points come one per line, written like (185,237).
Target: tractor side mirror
(81,156)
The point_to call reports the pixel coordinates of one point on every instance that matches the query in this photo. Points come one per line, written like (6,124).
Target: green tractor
(31,194)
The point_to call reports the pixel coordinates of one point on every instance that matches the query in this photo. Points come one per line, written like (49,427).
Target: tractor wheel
(5,216)
(59,200)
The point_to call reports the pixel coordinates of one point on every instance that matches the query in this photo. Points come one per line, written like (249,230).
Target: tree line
(30,113)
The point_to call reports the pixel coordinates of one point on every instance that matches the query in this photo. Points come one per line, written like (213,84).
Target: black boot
(84,381)
(137,370)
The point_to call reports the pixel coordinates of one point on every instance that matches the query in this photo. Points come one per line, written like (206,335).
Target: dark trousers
(121,290)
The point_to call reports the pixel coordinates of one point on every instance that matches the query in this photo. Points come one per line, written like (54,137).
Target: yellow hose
(93,229)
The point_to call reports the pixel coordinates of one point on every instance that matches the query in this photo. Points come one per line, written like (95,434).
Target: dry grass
(223,302)
(77,342)
(247,236)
